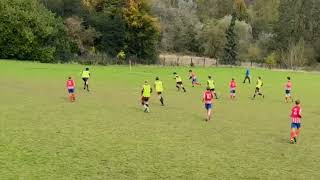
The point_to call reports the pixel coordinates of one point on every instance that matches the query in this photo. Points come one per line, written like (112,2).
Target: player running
(233,86)
(211,85)
(179,83)
(71,88)
(247,76)
(193,77)
(295,122)
(258,88)
(85,77)
(158,85)
(288,88)
(207,99)
(146,93)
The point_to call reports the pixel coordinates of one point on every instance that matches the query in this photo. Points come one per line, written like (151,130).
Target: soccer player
(146,93)
(179,83)
(158,85)
(258,88)
(85,77)
(211,85)
(247,76)
(207,99)
(233,86)
(71,88)
(295,122)
(193,76)
(288,88)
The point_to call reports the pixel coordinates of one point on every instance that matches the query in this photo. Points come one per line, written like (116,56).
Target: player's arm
(300,116)
(150,90)
(142,92)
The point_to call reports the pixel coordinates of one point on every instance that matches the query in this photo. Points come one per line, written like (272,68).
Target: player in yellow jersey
(258,88)
(85,77)
(158,85)
(179,83)
(212,86)
(146,94)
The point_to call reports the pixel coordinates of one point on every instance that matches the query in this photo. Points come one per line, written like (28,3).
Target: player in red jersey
(71,88)
(208,99)
(288,88)
(233,86)
(295,122)
(193,77)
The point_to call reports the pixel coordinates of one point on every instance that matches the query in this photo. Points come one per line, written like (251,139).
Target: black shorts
(288,92)
(257,89)
(213,89)
(179,83)
(159,93)
(145,99)
(85,79)
(232,91)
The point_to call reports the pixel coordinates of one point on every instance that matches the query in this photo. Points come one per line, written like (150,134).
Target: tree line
(273,32)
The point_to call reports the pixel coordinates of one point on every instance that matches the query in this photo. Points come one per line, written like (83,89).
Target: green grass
(106,135)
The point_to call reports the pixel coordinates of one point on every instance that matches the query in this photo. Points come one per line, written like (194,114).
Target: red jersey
(289,85)
(208,97)
(233,84)
(296,114)
(71,84)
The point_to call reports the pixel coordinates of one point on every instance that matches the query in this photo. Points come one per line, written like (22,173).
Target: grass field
(106,135)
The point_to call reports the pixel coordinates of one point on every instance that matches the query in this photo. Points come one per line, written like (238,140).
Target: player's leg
(209,113)
(293,133)
(233,94)
(84,83)
(260,93)
(73,96)
(215,94)
(146,102)
(70,95)
(178,86)
(161,98)
(298,130)
(255,93)
(87,84)
(183,87)
(197,82)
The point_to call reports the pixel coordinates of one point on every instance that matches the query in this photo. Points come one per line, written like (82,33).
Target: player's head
(87,69)
(174,73)
(232,79)
(157,78)
(259,77)
(146,82)
(289,78)
(298,102)
(190,70)
(69,77)
(209,77)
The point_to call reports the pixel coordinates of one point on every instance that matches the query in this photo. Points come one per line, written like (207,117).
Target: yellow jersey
(158,86)
(146,90)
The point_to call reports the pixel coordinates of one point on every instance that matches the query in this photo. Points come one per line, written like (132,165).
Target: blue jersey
(248,72)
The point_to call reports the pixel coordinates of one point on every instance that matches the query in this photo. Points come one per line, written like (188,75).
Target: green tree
(230,50)
(30,32)
(142,31)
